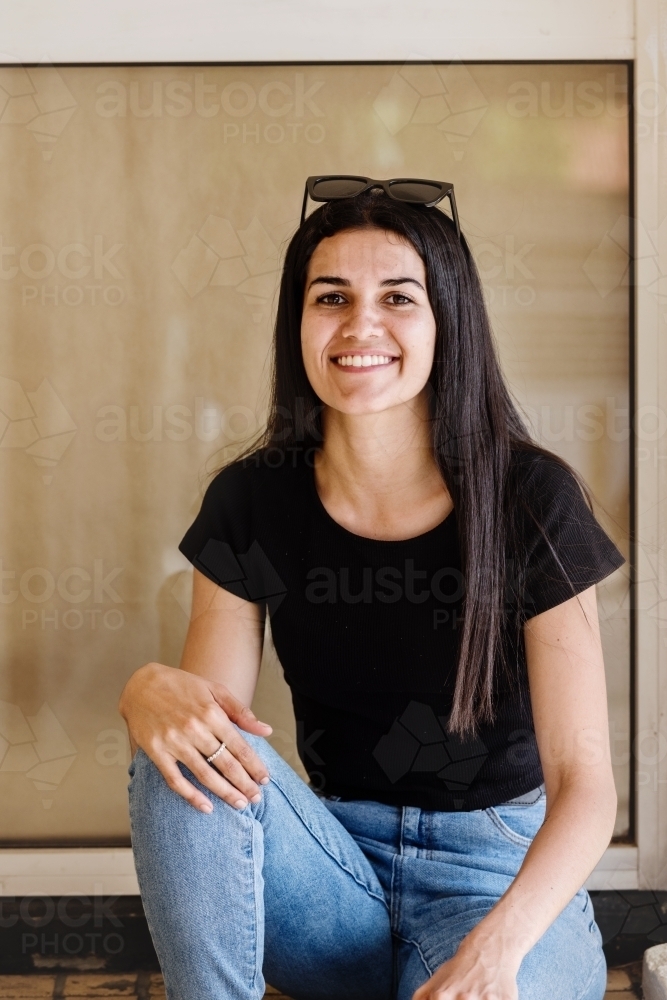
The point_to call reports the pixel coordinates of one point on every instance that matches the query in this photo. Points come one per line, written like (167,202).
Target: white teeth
(363,360)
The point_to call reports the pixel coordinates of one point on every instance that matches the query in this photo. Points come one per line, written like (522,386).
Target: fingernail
(256,798)
(264,781)
(266,725)
(240,803)
(206,807)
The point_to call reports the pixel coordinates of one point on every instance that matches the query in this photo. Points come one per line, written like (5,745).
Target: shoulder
(237,474)
(541,481)
(248,498)
(555,535)
(554,509)
(550,506)
(261,474)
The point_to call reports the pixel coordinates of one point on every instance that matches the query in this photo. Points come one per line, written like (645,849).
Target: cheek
(419,345)
(313,343)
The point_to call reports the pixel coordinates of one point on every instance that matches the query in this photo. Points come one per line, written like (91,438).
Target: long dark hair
(475,423)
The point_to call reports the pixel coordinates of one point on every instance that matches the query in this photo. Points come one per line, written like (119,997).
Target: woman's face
(367,329)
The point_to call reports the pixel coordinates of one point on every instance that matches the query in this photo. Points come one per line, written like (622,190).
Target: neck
(382,461)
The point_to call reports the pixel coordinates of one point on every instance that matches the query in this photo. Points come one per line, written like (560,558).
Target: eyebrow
(332,279)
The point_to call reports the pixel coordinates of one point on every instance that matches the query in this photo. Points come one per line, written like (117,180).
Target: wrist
(136,679)
(492,946)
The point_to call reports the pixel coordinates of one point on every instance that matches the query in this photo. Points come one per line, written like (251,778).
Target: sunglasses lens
(416,191)
(337,187)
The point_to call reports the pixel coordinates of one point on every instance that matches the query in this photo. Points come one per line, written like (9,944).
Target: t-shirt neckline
(310,467)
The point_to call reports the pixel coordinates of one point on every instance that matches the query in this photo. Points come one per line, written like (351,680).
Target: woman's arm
(225,638)
(184,715)
(568,697)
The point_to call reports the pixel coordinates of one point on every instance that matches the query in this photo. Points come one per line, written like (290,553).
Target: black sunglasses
(414,190)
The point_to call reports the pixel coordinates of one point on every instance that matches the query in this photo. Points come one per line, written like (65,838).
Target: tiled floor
(72,986)
(622,984)
(142,986)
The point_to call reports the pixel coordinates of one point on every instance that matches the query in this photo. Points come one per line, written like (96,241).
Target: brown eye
(326,299)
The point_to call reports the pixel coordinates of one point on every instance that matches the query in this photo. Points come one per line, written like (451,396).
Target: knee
(148,783)
(146,779)
(264,750)
(159,813)
(149,790)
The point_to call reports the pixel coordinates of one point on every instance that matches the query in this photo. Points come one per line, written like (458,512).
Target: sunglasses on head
(416,191)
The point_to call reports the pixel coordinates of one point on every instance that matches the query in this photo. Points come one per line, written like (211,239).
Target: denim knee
(146,776)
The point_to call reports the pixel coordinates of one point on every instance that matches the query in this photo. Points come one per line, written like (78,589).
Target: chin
(360,407)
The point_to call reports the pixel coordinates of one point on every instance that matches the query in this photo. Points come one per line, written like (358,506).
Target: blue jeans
(334,900)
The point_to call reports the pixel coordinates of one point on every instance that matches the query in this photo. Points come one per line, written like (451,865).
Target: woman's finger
(237,711)
(201,737)
(170,772)
(211,778)
(229,766)
(221,728)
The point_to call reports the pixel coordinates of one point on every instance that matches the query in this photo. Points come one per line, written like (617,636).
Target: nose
(363,321)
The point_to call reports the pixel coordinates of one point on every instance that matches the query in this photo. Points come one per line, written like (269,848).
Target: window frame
(581,31)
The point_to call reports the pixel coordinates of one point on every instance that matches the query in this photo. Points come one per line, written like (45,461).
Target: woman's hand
(174,715)
(471,974)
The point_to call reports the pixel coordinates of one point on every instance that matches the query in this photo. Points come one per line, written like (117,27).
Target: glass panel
(144,212)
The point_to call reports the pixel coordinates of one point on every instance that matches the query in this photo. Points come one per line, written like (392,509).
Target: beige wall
(146,209)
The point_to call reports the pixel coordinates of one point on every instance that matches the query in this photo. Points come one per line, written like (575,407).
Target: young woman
(430,576)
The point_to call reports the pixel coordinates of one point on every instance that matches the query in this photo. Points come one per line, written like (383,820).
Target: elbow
(611,800)
(605,799)
(596,806)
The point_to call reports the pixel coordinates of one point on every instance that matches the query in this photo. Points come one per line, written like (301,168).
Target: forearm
(565,850)
(226,647)
(225,639)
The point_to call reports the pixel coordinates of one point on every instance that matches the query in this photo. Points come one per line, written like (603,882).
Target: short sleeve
(564,549)
(222,541)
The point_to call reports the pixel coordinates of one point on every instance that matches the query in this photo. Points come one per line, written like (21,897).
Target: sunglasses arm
(455,214)
(303,207)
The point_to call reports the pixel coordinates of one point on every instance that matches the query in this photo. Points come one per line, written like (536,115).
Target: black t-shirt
(367,631)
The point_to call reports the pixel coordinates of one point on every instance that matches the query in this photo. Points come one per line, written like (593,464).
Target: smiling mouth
(363,362)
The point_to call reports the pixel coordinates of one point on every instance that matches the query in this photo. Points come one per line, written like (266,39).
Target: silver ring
(217,753)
